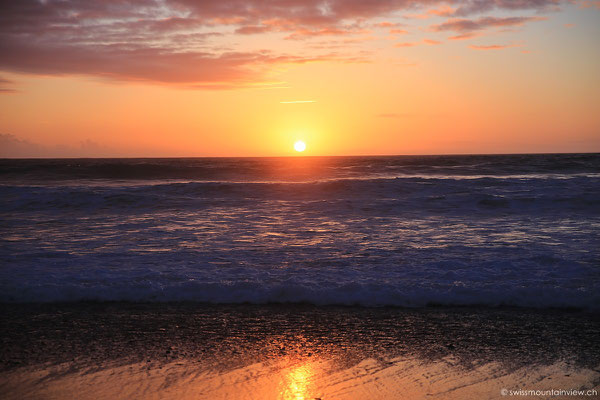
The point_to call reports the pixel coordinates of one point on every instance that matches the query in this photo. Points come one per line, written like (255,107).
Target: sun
(299,146)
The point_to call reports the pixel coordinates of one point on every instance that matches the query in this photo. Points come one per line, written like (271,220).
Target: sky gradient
(251,77)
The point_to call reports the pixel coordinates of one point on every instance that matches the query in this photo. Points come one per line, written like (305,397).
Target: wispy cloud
(387,24)
(308,33)
(492,46)
(481,6)
(7,86)
(405,44)
(464,36)
(589,3)
(468,26)
(444,10)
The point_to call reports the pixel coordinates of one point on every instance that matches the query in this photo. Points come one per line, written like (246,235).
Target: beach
(201,351)
(301,278)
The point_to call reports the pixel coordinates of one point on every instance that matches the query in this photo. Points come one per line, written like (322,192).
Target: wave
(353,231)
(351,294)
(534,195)
(294,168)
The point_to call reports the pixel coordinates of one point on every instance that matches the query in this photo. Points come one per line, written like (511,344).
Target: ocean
(408,231)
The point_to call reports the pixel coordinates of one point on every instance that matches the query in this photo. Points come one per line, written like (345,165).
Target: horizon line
(301,156)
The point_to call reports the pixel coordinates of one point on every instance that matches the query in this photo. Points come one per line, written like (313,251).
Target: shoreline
(48,347)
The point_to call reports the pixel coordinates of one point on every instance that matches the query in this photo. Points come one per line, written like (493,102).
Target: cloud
(471,28)
(169,42)
(387,24)
(444,10)
(142,64)
(253,29)
(589,3)
(492,46)
(480,6)
(469,25)
(13,147)
(148,64)
(405,44)
(431,41)
(6,86)
(464,36)
(195,43)
(307,33)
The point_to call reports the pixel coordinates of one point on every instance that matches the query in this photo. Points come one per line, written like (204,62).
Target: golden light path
(297,382)
(290,378)
(300,146)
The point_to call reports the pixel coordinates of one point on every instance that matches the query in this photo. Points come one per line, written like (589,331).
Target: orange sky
(225,77)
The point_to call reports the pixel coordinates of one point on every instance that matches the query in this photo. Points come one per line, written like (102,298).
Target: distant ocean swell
(416,194)
(473,230)
(302,169)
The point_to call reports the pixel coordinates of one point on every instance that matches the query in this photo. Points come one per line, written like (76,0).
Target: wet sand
(186,350)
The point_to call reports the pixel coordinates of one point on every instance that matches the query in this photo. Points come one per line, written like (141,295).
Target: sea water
(517,230)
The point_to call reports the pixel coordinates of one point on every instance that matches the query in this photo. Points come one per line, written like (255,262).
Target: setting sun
(300,146)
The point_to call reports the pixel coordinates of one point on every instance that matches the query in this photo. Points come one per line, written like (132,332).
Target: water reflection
(297,383)
(369,379)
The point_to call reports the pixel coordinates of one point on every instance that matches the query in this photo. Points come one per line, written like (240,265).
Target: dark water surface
(518,230)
